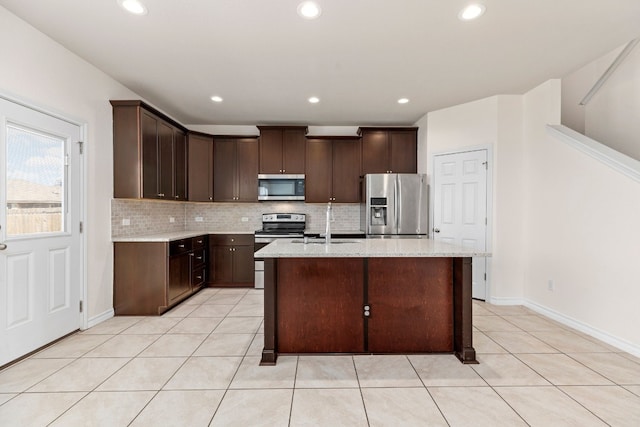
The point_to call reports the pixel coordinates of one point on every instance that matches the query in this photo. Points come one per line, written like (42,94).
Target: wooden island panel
(319,305)
(411,302)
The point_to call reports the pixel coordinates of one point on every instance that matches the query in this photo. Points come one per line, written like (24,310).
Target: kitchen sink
(322,241)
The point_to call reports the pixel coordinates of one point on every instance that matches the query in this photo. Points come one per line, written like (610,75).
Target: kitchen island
(363,296)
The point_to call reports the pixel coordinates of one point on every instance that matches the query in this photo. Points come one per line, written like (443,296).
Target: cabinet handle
(192,254)
(199,258)
(210,198)
(230,249)
(177,197)
(181,246)
(199,277)
(199,241)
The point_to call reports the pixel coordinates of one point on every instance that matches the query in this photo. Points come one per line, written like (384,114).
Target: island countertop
(365,248)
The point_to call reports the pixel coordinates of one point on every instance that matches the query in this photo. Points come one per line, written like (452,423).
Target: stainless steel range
(276,226)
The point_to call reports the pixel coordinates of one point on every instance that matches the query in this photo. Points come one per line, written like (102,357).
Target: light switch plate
(126,221)
(199,219)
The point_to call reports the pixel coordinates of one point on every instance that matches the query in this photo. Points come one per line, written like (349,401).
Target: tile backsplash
(150,216)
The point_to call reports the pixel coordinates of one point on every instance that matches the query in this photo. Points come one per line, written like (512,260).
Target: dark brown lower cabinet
(320,305)
(151,277)
(408,313)
(231,260)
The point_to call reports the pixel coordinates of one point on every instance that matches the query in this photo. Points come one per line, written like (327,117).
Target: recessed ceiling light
(314,100)
(403,100)
(216,98)
(309,10)
(133,6)
(471,12)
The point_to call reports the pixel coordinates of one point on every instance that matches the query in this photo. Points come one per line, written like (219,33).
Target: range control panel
(281,217)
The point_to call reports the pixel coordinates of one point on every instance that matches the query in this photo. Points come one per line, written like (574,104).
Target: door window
(36,182)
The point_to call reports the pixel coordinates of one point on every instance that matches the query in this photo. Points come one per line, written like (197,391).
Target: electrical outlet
(126,221)
(550,285)
(172,219)
(244,219)
(199,219)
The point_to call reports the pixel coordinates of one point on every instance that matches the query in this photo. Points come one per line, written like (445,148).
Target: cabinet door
(247,172)
(309,290)
(420,317)
(200,168)
(346,171)
(375,152)
(224,170)
(404,151)
(293,151)
(179,276)
(150,156)
(180,164)
(318,171)
(222,264)
(270,151)
(243,264)
(166,171)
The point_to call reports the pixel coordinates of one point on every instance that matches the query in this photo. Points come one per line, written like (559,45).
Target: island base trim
(269,358)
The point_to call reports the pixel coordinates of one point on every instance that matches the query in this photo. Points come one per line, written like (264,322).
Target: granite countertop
(171,236)
(365,248)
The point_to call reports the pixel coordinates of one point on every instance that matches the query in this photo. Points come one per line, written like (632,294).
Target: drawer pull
(181,246)
(199,241)
(199,277)
(199,258)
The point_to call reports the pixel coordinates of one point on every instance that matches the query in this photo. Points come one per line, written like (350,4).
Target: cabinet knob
(230,249)
(192,254)
(233,240)
(181,246)
(210,198)
(177,197)
(199,277)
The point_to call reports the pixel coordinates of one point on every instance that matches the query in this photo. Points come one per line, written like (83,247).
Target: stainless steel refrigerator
(395,205)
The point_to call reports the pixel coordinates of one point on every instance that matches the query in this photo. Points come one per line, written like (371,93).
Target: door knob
(436,230)
(3,246)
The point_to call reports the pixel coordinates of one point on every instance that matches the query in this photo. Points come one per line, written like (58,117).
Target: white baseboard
(506,301)
(93,321)
(585,328)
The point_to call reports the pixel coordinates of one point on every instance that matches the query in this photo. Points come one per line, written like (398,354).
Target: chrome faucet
(327,231)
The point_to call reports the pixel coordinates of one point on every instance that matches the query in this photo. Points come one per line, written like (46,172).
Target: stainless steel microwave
(280,187)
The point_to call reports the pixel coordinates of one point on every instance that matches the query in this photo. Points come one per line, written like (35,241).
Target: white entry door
(460,207)
(40,241)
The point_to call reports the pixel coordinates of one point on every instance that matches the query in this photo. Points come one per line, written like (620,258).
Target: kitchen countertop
(171,236)
(365,248)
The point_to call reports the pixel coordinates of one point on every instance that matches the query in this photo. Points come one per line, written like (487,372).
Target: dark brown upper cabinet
(149,153)
(235,169)
(282,149)
(200,148)
(389,150)
(332,170)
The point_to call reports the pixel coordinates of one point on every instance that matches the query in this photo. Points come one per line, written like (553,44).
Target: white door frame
(490,159)
(83,320)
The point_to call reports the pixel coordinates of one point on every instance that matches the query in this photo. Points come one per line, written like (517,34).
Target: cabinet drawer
(198,258)
(231,239)
(179,246)
(199,242)
(198,276)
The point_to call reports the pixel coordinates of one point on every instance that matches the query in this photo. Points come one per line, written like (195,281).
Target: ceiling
(359,57)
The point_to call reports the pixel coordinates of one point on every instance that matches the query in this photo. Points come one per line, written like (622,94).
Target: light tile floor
(198,365)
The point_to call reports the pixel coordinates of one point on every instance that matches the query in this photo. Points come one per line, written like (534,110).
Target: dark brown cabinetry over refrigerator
(149,153)
(235,169)
(231,260)
(151,277)
(389,150)
(282,149)
(200,147)
(332,170)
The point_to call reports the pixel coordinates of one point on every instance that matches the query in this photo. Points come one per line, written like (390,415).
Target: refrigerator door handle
(398,206)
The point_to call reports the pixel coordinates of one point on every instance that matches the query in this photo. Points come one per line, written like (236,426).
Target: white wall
(41,72)
(611,116)
(581,229)
(496,122)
